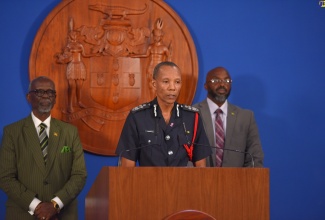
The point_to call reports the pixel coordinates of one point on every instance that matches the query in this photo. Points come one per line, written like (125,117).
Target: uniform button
(170,152)
(167,138)
(149,141)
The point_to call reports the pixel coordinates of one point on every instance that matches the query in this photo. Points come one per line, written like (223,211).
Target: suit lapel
(231,121)
(33,143)
(54,137)
(208,126)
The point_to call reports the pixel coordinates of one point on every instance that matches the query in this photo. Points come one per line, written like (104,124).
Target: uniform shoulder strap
(189,108)
(141,107)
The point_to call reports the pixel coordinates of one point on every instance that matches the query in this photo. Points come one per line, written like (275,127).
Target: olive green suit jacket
(24,174)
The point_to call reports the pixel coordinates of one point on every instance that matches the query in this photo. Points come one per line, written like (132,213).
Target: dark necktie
(43,140)
(220,137)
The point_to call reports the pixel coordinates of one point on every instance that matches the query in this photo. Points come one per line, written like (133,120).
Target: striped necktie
(43,138)
(220,137)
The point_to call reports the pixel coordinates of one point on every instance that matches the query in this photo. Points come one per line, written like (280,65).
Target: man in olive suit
(42,167)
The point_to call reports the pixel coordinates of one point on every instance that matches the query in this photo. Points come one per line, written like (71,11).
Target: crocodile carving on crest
(117,11)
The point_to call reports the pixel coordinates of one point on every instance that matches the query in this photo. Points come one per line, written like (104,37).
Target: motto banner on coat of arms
(101,55)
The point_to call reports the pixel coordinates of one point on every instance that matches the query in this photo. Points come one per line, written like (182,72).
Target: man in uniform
(164,132)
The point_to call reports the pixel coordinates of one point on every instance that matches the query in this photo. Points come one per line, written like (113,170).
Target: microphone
(233,150)
(132,149)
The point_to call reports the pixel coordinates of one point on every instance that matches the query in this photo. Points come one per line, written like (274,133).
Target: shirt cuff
(58,201)
(33,205)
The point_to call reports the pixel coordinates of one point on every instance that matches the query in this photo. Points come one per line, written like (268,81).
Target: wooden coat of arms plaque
(101,55)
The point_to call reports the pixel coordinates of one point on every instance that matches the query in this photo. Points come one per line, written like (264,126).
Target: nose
(172,86)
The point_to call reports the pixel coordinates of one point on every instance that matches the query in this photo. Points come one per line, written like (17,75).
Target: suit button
(45,182)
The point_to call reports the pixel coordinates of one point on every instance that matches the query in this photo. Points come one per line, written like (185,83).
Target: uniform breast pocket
(149,145)
(183,139)
(148,137)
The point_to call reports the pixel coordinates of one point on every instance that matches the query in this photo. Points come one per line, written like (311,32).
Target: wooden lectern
(150,193)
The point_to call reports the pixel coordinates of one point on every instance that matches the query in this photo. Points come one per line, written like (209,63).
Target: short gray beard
(44,109)
(220,98)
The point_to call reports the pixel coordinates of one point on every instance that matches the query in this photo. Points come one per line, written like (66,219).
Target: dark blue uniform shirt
(146,137)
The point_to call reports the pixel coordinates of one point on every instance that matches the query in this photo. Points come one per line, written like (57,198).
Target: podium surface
(158,192)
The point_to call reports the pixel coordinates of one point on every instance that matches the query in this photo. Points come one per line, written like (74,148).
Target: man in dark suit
(41,180)
(240,129)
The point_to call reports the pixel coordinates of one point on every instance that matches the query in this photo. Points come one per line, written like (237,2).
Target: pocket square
(65,149)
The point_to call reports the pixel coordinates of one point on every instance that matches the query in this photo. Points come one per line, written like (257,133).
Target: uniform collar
(157,111)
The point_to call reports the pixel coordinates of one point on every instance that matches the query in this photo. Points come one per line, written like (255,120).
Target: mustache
(45,102)
(221,87)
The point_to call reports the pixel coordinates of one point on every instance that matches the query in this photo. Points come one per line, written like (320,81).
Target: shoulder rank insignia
(141,107)
(189,108)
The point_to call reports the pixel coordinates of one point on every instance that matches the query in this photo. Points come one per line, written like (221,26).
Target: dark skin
(167,86)
(218,92)
(46,210)
(41,107)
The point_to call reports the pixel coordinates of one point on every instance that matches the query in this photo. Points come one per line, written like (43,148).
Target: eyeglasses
(227,81)
(41,92)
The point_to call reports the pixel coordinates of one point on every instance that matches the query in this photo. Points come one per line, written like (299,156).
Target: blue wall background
(275,51)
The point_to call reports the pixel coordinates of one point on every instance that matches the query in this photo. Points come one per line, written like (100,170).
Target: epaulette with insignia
(141,107)
(189,108)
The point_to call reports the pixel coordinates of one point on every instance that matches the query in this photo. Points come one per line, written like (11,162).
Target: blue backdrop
(275,51)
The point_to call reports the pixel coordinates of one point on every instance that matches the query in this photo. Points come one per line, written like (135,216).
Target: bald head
(216,72)
(218,85)
(40,79)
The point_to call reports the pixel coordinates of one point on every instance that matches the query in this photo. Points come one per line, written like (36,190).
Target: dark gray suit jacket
(241,134)
(24,175)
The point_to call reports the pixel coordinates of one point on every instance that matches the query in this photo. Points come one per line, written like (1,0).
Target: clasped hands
(46,211)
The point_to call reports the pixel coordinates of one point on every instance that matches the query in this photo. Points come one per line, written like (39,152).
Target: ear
(154,84)
(205,86)
(28,97)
